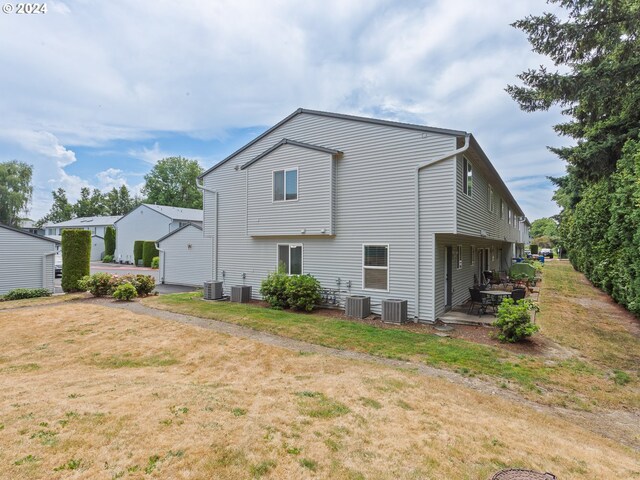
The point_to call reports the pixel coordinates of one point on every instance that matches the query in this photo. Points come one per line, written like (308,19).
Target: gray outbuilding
(26,260)
(186,257)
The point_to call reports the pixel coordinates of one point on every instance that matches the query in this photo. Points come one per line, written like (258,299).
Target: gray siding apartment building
(26,260)
(369,207)
(150,222)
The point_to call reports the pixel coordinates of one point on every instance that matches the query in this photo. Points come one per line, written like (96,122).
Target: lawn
(575,380)
(88,391)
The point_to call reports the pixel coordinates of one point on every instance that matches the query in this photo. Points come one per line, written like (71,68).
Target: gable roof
(86,222)
(178,230)
(39,237)
(286,141)
(173,213)
(341,116)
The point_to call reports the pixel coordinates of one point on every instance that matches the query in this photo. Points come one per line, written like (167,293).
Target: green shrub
(98,284)
(514,320)
(22,293)
(137,251)
(76,257)
(155,262)
(107,259)
(149,251)
(303,292)
(144,284)
(126,292)
(274,290)
(110,241)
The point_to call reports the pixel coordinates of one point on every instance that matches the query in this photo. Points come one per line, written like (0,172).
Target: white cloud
(87,73)
(110,178)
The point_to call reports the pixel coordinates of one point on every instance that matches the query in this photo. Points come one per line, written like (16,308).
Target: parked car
(58,265)
(547,252)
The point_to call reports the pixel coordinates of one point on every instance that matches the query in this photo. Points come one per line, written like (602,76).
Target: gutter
(419,167)
(215,235)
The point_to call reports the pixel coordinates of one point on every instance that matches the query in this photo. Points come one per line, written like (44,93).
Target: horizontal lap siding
(374,203)
(436,216)
(463,278)
(21,262)
(180,265)
(311,211)
(148,225)
(473,212)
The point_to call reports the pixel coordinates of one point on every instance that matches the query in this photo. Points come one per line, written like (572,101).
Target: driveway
(125,269)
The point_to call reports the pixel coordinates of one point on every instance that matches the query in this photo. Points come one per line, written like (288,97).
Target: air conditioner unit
(241,293)
(357,306)
(212,290)
(394,311)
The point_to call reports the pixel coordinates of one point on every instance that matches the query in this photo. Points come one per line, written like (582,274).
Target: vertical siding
(311,211)
(374,203)
(181,265)
(473,213)
(21,262)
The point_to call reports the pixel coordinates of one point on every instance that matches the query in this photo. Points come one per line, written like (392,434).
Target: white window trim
(301,257)
(285,170)
(466,163)
(490,197)
(387,268)
(459,255)
(473,255)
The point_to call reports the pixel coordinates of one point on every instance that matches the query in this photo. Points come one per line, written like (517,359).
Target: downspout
(44,271)
(419,167)
(164,256)
(215,232)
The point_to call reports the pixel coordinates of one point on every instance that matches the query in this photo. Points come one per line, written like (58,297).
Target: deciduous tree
(15,191)
(172,181)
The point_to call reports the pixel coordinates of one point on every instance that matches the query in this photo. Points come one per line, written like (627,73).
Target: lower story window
(290,259)
(375,267)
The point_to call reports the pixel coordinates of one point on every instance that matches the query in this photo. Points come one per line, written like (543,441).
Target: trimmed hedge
(109,241)
(155,263)
(76,258)
(137,251)
(149,251)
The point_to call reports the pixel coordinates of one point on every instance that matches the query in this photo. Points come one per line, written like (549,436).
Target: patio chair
(478,299)
(518,294)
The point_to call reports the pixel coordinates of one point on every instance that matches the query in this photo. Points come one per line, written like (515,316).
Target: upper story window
(490,195)
(467,176)
(501,209)
(375,267)
(285,185)
(509,216)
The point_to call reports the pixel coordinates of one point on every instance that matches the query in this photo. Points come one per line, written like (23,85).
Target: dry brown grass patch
(230,408)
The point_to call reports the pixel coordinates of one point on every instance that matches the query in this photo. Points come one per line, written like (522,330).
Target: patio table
(496,296)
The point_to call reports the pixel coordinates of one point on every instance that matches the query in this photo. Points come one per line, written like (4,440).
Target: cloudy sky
(94,93)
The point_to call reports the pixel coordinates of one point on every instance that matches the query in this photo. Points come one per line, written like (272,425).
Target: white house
(150,222)
(369,207)
(185,256)
(26,260)
(96,225)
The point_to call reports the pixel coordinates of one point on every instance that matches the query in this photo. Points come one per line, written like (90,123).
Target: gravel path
(619,425)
